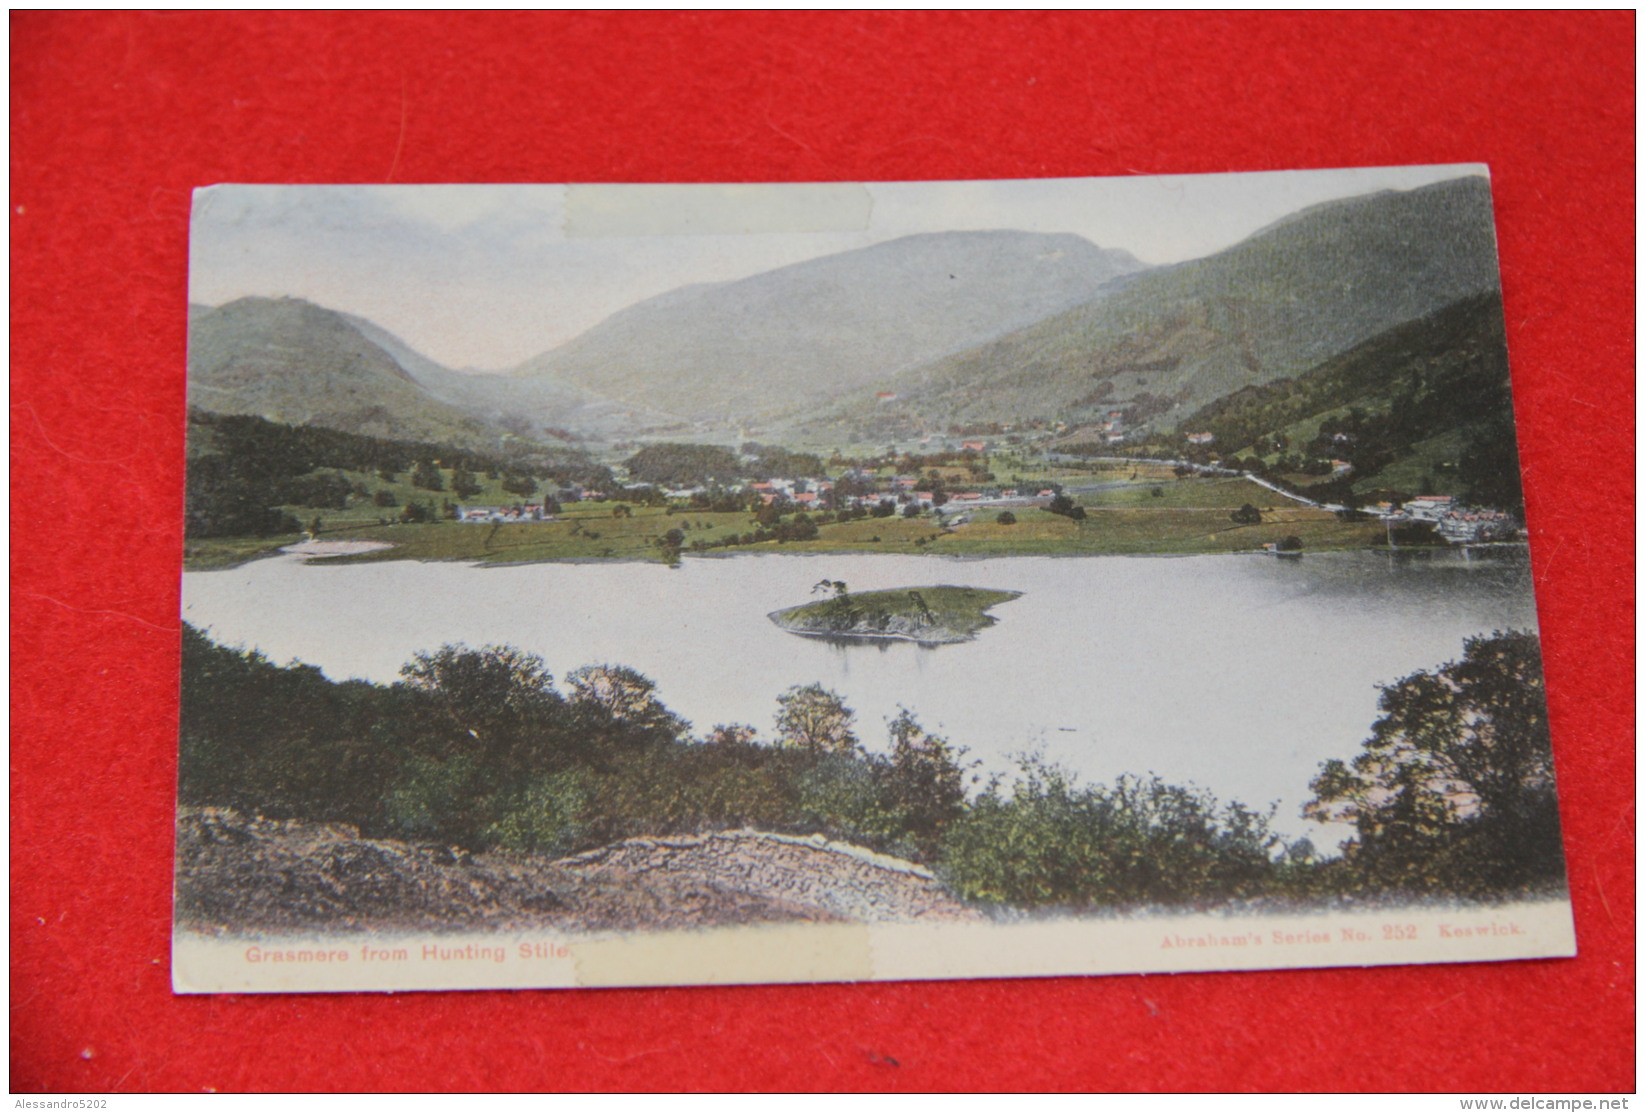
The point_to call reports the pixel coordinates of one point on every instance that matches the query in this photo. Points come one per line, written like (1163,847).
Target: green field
(209,553)
(1167,531)
(1429,469)
(583,531)
(1191,493)
(1190,515)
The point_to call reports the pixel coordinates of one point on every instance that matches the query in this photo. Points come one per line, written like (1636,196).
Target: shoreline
(339,558)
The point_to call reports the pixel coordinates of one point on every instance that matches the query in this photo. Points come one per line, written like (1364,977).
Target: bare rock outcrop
(239,874)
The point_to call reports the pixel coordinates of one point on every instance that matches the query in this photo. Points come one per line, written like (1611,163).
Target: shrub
(1050,842)
(551,817)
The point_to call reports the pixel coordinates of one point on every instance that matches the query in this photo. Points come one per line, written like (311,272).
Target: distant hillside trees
(683,465)
(1489,468)
(693,465)
(769,460)
(464,484)
(242,470)
(226,499)
(1446,373)
(427,476)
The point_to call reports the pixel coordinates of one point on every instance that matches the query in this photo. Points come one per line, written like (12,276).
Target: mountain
(1279,302)
(841,325)
(290,361)
(538,406)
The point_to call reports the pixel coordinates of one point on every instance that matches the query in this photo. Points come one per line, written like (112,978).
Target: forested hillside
(243,470)
(1427,404)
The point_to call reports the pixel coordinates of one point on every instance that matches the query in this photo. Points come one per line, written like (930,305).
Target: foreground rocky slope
(239,874)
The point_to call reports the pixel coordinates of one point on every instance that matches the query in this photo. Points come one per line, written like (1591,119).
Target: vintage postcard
(647,585)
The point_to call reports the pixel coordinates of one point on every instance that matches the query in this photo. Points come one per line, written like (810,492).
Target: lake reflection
(1238,673)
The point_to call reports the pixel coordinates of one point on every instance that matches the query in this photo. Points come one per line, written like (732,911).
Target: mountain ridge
(1287,298)
(828,326)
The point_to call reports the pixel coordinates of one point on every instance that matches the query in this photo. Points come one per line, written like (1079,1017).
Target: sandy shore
(335,548)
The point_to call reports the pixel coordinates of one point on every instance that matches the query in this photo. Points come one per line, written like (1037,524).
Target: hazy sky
(488,276)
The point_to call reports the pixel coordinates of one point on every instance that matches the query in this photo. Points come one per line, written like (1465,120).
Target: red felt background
(116,117)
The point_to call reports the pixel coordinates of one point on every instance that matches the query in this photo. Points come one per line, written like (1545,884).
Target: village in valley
(964,485)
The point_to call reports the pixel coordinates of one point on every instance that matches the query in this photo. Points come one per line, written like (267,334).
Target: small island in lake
(938,615)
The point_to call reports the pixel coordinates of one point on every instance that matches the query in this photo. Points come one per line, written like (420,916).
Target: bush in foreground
(1051,841)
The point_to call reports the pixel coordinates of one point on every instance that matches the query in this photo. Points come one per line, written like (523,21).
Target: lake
(1237,673)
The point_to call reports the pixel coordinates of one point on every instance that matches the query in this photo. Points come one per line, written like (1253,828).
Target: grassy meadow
(1187,515)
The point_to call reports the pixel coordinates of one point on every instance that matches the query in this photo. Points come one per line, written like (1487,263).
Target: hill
(839,326)
(1427,404)
(540,406)
(290,361)
(1278,303)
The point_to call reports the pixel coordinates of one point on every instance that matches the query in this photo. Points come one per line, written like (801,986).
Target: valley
(976,393)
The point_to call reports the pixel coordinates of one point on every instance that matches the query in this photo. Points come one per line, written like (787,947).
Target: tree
(1454,790)
(463,483)
(802,528)
(1067,507)
(628,697)
(1246,515)
(733,734)
(810,717)
(496,707)
(924,781)
(1006,518)
(427,476)
(519,485)
(1489,469)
